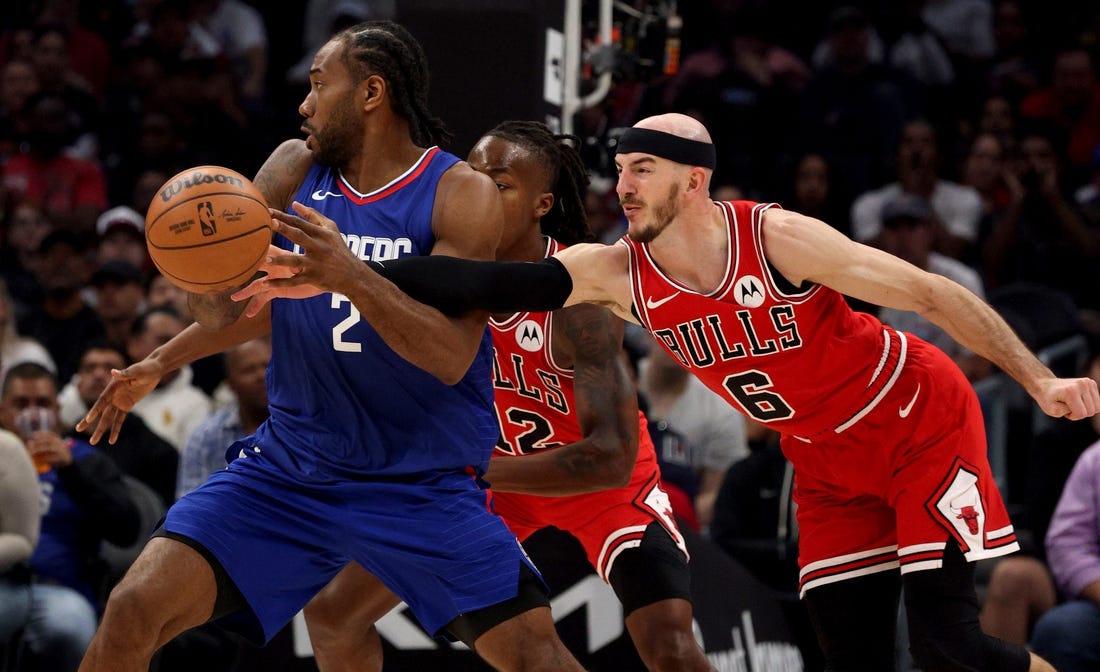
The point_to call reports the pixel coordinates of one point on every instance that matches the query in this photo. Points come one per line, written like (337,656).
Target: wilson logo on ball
(178,184)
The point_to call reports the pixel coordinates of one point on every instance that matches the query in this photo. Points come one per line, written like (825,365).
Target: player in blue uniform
(366,457)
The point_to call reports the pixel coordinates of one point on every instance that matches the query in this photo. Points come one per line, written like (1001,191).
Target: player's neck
(383,159)
(529,247)
(694,248)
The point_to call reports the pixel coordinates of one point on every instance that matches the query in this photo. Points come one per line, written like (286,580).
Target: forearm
(197,341)
(455,286)
(573,469)
(415,331)
(975,325)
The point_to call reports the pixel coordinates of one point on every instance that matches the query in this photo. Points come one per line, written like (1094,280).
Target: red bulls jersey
(535,405)
(798,359)
(532,393)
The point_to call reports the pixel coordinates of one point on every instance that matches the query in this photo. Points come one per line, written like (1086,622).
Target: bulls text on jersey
(705,341)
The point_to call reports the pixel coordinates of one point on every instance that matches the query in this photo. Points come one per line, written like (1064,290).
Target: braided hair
(567,221)
(387,49)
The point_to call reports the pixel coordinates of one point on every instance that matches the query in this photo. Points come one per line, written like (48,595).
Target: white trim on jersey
(903,345)
(392,182)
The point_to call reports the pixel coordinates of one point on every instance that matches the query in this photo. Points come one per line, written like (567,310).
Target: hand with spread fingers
(325,264)
(260,292)
(127,387)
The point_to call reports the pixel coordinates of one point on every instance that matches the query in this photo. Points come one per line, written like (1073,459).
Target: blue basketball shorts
(431,540)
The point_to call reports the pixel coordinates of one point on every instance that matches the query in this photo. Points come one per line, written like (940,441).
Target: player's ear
(697,179)
(373,90)
(543,204)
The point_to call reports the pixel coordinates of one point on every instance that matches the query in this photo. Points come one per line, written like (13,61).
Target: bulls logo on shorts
(960,505)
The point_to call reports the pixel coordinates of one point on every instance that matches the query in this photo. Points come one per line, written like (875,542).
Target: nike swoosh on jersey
(903,411)
(651,304)
(322,195)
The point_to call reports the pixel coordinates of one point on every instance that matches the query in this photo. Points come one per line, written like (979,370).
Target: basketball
(208,229)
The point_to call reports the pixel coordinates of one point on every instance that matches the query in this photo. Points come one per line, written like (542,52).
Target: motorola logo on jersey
(749,291)
(529,336)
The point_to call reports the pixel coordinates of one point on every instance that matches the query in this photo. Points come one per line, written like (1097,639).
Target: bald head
(680,125)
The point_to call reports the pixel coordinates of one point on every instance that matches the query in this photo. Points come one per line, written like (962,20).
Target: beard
(342,137)
(663,215)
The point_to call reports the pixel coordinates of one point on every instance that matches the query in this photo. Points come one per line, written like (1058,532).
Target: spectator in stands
(908,231)
(64,323)
(245,376)
(71,191)
(1042,237)
(853,107)
(964,26)
(25,227)
(161,292)
(19,525)
(88,56)
(714,430)
(119,289)
(325,18)
(956,208)
(920,51)
(57,76)
(18,82)
(983,170)
(812,192)
(746,87)
(14,348)
(1072,102)
(84,502)
(239,30)
(1066,635)
(120,236)
(176,406)
(139,451)
(998,118)
(1013,70)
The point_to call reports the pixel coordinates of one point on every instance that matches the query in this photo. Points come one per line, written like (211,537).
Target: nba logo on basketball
(206,218)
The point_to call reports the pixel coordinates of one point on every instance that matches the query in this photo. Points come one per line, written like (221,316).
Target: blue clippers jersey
(343,404)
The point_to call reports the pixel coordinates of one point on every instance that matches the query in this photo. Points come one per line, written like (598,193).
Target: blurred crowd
(960,135)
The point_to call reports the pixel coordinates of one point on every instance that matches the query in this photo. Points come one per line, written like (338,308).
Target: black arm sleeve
(455,286)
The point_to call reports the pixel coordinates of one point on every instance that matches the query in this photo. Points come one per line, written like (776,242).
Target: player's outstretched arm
(585,273)
(130,385)
(607,410)
(803,248)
